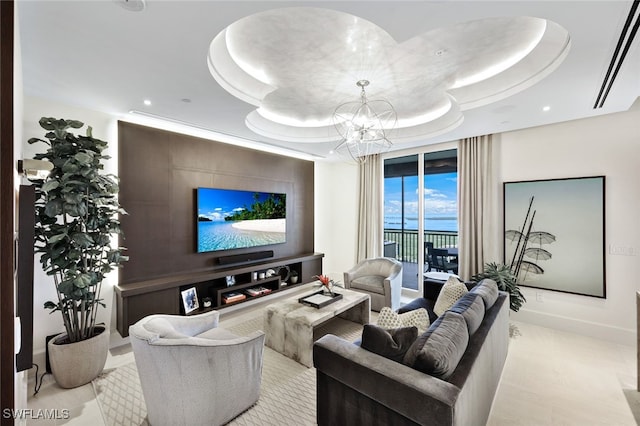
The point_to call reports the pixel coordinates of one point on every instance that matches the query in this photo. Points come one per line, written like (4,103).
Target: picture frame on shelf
(190,300)
(231,280)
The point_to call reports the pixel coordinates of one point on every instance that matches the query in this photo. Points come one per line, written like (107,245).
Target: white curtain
(370,226)
(478,205)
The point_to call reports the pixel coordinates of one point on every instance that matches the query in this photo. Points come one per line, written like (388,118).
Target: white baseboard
(596,330)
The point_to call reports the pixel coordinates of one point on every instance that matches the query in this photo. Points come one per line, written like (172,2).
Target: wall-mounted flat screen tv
(232,219)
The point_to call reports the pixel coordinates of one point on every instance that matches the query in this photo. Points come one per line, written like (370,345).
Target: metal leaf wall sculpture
(524,239)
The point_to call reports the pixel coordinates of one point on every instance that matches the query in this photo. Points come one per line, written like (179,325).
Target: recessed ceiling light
(546,108)
(147,102)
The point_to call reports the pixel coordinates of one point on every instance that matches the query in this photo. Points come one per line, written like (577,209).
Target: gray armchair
(194,373)
(380,278)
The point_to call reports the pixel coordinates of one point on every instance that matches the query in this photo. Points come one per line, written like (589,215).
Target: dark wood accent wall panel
(159,173)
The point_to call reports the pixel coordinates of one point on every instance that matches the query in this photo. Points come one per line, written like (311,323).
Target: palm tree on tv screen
(274,207)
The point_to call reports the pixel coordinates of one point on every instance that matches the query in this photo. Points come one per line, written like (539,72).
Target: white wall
(607,145)
(336,214)
(105,128)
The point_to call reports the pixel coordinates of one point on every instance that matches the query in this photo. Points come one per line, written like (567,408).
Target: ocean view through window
(408,204)
(440,202)
(229,219)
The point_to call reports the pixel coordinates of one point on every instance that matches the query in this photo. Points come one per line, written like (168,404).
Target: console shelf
(161,295)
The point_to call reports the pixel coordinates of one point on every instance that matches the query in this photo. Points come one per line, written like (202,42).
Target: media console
(136,300)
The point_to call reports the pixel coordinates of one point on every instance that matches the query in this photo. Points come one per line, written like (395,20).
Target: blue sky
(440,196)
(216,204)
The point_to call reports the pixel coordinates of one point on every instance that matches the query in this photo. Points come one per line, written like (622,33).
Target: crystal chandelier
(362,126)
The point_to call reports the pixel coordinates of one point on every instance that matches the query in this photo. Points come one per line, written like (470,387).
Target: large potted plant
(76,217)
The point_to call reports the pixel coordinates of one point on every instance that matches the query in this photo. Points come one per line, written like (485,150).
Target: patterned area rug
(287,396)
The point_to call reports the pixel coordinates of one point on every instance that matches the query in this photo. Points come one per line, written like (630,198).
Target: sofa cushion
(471,307)
(488,290)
(451,291)
(417,318)
(391,343)
(438,351)
(370,283)
(163,328)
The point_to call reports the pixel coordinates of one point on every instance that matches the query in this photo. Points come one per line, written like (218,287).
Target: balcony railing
(407,242)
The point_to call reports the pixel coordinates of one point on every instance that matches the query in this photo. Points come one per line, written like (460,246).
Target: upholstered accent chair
(193,372)
(380,278)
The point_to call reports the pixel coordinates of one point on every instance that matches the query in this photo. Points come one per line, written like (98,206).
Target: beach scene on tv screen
(230,219)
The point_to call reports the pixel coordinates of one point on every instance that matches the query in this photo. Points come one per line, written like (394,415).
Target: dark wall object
(26,240)
(159,172)
(7,208)
(47,361)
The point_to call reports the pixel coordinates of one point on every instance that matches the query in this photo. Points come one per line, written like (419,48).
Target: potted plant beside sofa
(76,217)
(506,280)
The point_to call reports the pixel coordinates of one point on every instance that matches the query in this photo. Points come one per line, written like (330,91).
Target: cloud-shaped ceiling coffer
(298,64)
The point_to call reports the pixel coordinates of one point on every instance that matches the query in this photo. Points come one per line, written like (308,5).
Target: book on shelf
(233,297)
(258,291)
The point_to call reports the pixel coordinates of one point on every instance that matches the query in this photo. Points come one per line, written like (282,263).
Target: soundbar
(245,257)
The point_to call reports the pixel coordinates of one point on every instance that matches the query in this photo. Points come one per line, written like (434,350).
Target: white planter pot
(75,364)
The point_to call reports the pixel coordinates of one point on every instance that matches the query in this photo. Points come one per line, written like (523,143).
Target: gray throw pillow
(392,344)
(438,351)
(488,290)
(471,307)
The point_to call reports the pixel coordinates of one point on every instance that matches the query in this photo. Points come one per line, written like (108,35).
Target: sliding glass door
(401,189)
(421,213)
(441,212)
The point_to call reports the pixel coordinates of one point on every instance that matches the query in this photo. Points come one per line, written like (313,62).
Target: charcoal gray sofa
(359,387)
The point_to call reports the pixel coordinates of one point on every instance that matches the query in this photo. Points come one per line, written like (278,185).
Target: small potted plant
(327,284)
(506,280)
(293,276)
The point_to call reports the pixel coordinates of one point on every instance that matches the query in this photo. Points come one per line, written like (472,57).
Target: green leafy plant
(76,217)
(506,280)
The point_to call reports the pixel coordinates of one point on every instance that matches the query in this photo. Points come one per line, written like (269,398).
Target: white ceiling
(97,55)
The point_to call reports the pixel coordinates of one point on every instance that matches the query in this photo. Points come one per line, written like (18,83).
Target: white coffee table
(289,324)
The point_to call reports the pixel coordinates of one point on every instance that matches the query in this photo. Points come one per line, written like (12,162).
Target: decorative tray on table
(319,299)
